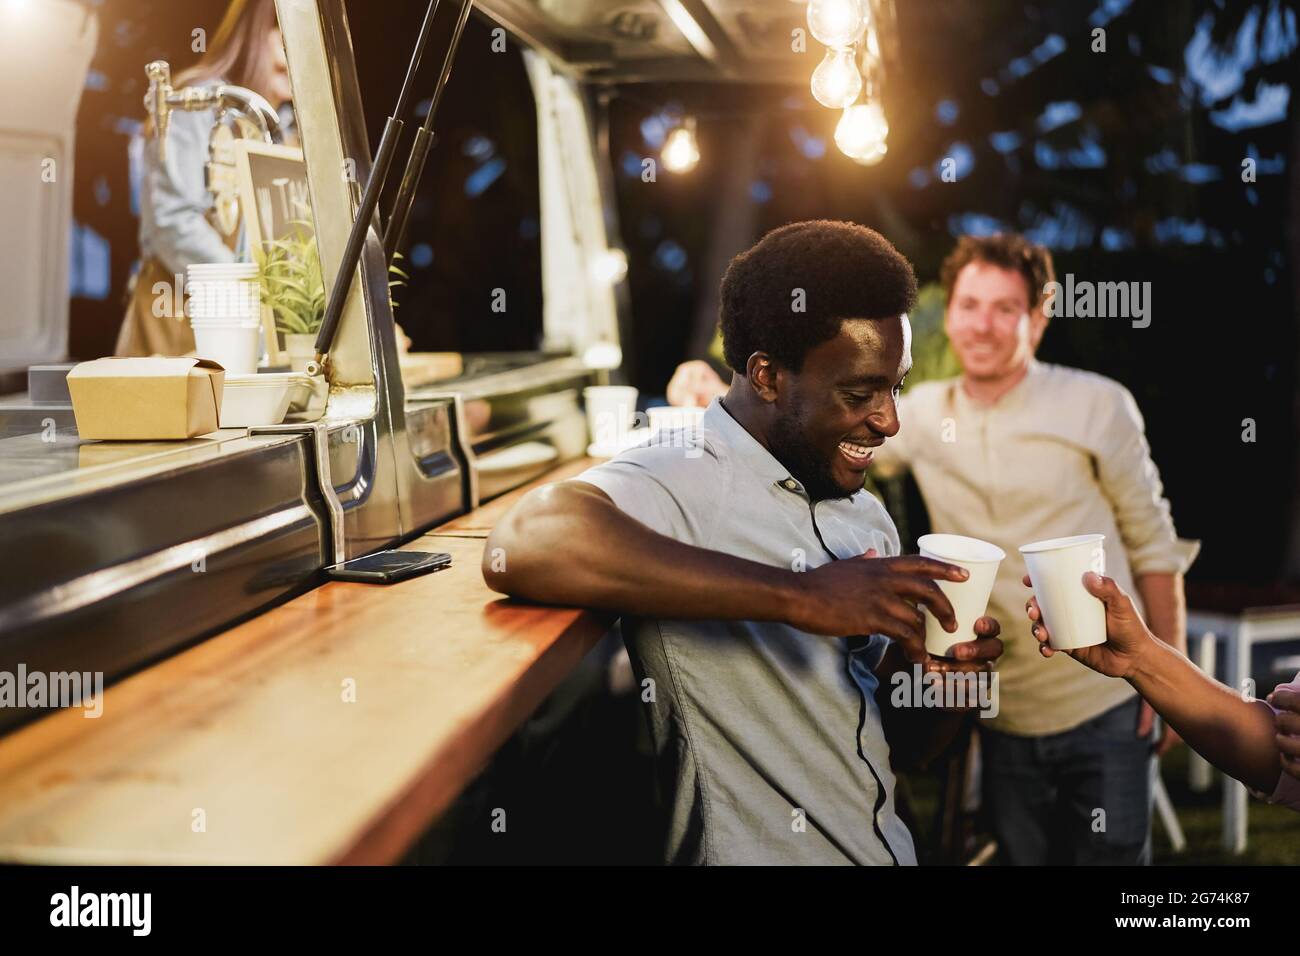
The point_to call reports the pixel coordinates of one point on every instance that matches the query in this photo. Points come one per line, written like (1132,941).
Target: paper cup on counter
(223,292)
(970,598)
(208,273)
(610,411)
(235,346)
(1074,618)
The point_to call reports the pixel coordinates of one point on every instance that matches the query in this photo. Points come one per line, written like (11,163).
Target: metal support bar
(319,435)
(1199,771)
(424,140)
(1237,671)
(370,197)
(1165,810)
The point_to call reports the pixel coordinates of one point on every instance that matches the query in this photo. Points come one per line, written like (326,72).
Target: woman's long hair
(238,52)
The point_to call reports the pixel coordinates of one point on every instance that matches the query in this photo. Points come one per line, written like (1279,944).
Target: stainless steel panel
(110,579)
(531,400)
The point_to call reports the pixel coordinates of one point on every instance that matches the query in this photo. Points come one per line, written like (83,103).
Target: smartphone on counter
(388,567)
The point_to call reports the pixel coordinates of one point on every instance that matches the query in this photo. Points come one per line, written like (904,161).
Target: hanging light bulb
(606,355)
(681,150)
(836,23)
(836,82)
(609,267)
(872,43)
(861,133)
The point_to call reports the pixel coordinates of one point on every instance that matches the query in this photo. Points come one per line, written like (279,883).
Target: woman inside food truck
(178,223)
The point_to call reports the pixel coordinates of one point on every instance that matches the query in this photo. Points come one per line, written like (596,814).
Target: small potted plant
(294,290)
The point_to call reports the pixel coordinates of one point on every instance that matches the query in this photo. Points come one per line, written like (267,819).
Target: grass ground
(1273,835)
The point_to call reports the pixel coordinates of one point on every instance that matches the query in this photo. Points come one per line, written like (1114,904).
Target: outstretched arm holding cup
(1243,738)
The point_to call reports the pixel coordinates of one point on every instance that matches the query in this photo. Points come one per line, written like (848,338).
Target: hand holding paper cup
(970,598)
(1073,617)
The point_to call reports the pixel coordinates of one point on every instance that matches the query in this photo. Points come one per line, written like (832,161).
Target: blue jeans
(1081,797)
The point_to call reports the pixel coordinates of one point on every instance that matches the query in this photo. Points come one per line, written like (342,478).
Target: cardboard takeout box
(146,398)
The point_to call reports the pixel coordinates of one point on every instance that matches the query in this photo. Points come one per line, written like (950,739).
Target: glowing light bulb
(836,23)
(609,267)
(681,151)
(836,82)
(861,133)
(603,355)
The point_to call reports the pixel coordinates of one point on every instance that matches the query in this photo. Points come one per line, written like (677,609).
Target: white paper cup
(610,410)
(197,271)
(669,417)
(235,347)
(970,598)
(223,317)
(1074,618)
(676,426)
(224,300)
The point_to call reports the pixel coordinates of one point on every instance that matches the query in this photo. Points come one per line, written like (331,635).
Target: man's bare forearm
(1233,734)
(567,543)
(1165,606)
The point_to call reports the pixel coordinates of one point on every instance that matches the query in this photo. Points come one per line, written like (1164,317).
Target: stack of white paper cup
(225,307)
(1074,618)
(969,598)
(610,411)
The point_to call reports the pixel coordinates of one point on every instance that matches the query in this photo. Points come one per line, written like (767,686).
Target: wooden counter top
(332,729)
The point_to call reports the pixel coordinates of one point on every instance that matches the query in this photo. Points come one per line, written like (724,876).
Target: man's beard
(790,446)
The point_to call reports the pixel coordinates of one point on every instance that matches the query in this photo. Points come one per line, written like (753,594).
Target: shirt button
(790,484)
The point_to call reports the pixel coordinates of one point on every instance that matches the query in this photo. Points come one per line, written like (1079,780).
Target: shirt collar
(749,449)
(757,459)
(1012,398)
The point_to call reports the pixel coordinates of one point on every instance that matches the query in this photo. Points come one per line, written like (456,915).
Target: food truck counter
(333,729)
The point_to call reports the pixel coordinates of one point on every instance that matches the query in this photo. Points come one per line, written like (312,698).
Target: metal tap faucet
(155,101)
(162,98)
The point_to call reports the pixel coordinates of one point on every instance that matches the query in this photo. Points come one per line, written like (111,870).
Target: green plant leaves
(292,284)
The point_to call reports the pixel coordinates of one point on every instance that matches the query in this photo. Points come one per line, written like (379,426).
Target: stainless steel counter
(113,554)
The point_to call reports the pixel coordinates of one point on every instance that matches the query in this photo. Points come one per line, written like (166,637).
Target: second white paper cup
(672,417)
(610,409)
(970,598)
(1074,618)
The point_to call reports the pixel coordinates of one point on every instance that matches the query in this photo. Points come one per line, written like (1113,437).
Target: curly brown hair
(1006,250)
(840,269)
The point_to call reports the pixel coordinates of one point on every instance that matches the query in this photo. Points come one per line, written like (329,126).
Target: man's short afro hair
(840,270)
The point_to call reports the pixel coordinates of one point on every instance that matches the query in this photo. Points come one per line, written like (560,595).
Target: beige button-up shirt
(1062,453)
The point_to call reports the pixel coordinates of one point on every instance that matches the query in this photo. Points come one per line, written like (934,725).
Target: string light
(609,267)
(836,23)
(602,355)
(861,133)
(681,151)
(836,82)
